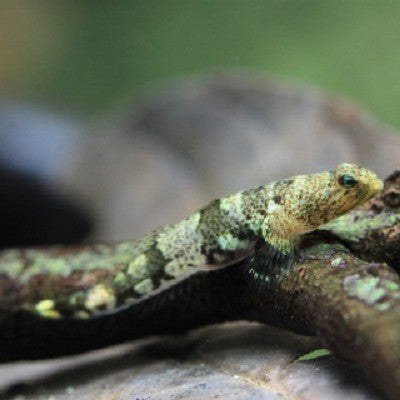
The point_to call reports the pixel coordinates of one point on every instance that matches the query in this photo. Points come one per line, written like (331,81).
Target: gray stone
(232,361)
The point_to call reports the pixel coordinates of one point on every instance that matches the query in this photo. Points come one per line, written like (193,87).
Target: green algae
(372,290)
(352,226)
(365,289)
(390,285)
(383,306)
(11,268)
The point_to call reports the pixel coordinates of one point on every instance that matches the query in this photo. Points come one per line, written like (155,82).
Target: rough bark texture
(343,287)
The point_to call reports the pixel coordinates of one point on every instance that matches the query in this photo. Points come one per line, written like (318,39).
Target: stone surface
(233,361)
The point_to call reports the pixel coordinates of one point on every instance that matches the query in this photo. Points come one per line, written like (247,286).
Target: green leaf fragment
(314,354)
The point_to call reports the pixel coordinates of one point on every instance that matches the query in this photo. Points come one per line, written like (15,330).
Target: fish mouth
(375,187)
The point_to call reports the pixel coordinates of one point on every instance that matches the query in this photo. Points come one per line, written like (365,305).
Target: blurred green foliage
(87,55)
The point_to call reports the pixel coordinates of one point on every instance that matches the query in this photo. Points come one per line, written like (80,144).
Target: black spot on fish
(277,199)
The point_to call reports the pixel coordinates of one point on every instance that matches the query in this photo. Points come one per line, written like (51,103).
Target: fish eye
(347,181)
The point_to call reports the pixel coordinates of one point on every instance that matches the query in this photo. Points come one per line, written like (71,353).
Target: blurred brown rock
(201,138)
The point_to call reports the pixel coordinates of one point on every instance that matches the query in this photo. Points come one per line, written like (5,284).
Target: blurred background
(116,117)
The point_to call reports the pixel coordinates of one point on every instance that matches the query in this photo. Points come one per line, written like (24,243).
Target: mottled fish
(59,301)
